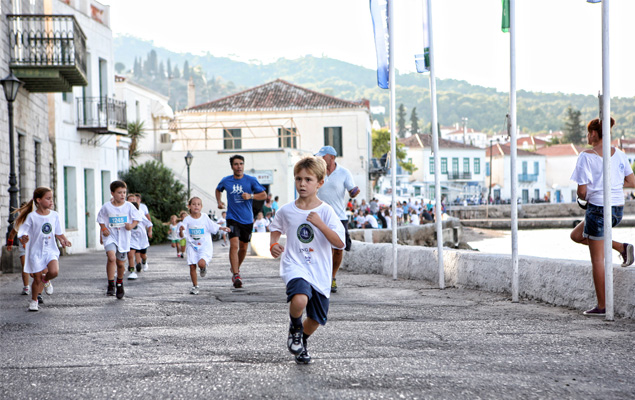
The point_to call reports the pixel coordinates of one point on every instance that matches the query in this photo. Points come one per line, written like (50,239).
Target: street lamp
(11,84)
(188,162)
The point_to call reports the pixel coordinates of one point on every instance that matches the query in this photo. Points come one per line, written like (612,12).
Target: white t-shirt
(139,235)
(335,190)
(360,220)
(115,219)
(144,209)
(372,221)
(307,254)
(260,225)
(589,171)
(198,230)
(41,230)
(174,232)
(388,221)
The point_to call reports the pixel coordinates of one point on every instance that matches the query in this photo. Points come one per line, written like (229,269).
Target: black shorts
(318,306)
(242,231)
(347,241)
(140,251)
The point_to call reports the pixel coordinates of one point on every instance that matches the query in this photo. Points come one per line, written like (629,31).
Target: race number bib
(197,232)
(117,221)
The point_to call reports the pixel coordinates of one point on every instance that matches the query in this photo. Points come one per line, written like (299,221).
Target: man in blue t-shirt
(241,191)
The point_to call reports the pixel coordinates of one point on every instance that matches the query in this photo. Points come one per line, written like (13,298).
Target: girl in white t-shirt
(260,224)
(222,221)
(313,229)
(173,235)
(38,231)
(197,229)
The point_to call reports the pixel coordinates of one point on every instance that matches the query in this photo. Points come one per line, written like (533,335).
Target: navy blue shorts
(347,242)
(594,220)
(318,306)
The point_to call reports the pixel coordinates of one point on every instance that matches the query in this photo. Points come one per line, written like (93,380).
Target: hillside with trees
(168,72)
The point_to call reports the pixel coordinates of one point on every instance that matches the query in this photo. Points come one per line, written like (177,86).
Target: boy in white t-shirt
(313,230)
(260,224)
(116,219)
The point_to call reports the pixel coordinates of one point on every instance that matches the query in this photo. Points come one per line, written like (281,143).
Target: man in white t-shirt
(338,187)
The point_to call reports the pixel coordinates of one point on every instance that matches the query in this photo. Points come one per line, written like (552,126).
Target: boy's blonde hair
(315,165)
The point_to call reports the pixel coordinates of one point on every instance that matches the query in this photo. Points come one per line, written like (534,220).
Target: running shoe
(595,312)
(138,267)
(26,290)
(203,272)
(131,269)
(48,287)
(334,286)
(111,289)
(33,305)
(238,283)
(303,357)
(120,291)
(132,275)
(194,290)
(40,300)
(294,341)
(627,255)
(144,266)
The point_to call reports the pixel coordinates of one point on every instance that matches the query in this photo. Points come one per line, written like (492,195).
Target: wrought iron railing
(101,113)
(527,177)
(453,175)
(46,41)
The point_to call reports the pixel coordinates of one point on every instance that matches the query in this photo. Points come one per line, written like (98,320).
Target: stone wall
(560,282)
(414,235)
(539,210)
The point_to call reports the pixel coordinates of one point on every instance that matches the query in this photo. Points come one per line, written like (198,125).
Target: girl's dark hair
(27,208)
(596,125)
(189,203)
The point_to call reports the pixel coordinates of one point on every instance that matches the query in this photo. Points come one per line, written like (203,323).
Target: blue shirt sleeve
(256,187)
(221,185)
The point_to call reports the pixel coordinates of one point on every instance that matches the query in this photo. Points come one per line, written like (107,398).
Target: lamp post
(11,84)
(188,162)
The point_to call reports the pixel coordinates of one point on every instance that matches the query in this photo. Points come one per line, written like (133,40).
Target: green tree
(186,71)
(414,121)
(120,67)
(136,132)
(573,128)
(162,193)
(381,146)
(401,121)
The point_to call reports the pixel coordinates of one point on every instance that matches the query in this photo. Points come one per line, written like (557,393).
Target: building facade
(530,167)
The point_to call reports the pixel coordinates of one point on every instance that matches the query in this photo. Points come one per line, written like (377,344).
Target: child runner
(197,229)
(142,256)
(139,244)
(173,236)
(222,221)
(182,242)
(116,219)
(38,231)
(260,225)
(306,266)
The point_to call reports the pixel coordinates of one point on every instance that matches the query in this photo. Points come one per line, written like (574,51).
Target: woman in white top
(588,175)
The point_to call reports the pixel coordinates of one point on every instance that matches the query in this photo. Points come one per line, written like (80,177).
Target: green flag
(505,23)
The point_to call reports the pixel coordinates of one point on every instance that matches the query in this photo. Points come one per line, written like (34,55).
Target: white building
(530,167)
(467,136)
(559,165)
(272,126)
(88,126)
(151,108)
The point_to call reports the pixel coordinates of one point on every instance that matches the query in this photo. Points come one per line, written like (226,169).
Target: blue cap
(326,150)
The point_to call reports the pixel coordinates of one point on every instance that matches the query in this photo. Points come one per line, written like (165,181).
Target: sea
(547,243)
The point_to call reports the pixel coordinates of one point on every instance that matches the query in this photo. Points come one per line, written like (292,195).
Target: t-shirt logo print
(47,228)
(237,189)
(305,233)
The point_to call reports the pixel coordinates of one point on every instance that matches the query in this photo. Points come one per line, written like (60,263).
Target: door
(89,207)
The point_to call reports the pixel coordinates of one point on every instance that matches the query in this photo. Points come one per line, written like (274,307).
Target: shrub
(159,231)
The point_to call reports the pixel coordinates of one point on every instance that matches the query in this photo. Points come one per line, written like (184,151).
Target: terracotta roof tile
(426,141)
(556,150)
(505,149)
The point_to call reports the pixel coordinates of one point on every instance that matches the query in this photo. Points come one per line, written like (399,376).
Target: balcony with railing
(527,178)
(102,115)
(47,52)
(459,176)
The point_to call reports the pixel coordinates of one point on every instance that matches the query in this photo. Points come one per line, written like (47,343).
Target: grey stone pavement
(385,339)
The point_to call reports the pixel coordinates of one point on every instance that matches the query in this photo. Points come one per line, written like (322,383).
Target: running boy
(139,244)
(38,231)
(197,229)
(116,219)
(312,230)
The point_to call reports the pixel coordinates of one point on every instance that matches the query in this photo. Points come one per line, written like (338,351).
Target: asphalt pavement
(385,339)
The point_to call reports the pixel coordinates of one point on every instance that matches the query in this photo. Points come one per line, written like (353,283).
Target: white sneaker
(33,305)
(145,266)
(132,275)
(48,288)
(194,290)
(203,272)
(26,290)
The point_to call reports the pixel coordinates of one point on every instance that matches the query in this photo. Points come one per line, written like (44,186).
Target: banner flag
(422,61)
(379,14)
(505,23)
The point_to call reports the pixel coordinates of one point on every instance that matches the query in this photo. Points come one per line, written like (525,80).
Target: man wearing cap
(338,182)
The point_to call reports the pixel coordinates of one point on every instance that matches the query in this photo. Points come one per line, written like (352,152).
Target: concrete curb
(559,282)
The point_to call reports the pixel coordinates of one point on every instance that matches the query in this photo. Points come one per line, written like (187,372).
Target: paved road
(385,339)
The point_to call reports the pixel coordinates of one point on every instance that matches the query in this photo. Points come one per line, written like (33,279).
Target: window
(536,167)
(67,97)
(103,78)
(333,137)
(37,160)
(444,165)
(455,164)
(231,139)
(105,186)
(477,166)
(70,198)
(431,165)
(524,167)
(536,194)
(487,170)
(166,138)
(466,165)
(287,138)
(525,196)
(20,161)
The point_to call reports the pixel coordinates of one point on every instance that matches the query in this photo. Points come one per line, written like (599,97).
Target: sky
(558,42)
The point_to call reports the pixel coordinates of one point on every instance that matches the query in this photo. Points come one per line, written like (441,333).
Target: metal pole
(435,148)
(513,147)
(188,182)
(13,181)
(491,151)
(606,161)
(393,142)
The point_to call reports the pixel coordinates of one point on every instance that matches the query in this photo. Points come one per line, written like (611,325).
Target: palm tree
(136,132)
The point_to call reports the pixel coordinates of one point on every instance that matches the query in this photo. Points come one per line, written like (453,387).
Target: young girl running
(173,236)
(196,229)
(38,231)
(139,244)
(180,245)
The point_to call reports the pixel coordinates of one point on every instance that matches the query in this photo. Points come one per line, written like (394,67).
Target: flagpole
(513,147)
(393,142)
(435,147)
(606,164)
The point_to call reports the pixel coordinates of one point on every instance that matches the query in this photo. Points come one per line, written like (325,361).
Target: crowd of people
(373,215)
